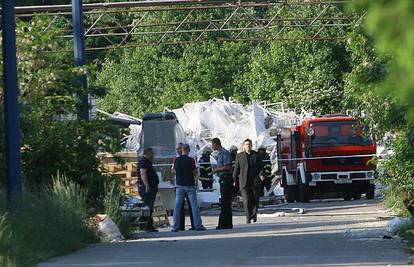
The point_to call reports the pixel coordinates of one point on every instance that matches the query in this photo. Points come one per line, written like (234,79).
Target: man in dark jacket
(248,172)
(148,184)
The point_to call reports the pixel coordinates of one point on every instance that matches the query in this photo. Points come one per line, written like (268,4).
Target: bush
(44,224)
(399,172)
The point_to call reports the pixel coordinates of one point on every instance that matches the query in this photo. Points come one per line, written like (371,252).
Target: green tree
(391,86)
(52,141)
(151,78)
(301,74)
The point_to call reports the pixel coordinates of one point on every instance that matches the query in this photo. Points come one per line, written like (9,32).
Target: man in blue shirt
(186,171)
(223,171)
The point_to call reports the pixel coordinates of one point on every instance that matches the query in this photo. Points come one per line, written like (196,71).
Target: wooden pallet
(108,158)
(113,168)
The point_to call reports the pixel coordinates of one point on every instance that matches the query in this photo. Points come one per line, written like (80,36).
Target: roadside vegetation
(368,73)
(41,225)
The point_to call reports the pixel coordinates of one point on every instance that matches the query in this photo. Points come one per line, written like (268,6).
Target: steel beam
(142,23)
(79,54)
(11,102)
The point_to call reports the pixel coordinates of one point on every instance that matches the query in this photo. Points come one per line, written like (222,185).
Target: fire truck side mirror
(310,132)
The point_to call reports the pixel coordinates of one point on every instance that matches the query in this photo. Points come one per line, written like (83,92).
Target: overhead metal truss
(151,22)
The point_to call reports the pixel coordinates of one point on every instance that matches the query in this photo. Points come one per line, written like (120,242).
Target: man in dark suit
(248,173)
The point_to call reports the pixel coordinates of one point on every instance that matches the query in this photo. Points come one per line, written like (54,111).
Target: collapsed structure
(197,123)
(230,121)
(310,154)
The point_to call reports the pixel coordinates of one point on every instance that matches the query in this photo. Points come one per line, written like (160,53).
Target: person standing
(206,177)
(186,172)
(148,184)
(233,152)
(248,172)
(179,149)
(267,170)
(223,171)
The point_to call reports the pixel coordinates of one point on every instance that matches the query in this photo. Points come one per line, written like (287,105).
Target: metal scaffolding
(152,22)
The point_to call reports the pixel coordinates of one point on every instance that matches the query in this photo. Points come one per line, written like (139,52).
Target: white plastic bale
(110,230)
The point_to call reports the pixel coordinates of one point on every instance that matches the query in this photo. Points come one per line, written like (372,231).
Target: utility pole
(11,101)
(79,54)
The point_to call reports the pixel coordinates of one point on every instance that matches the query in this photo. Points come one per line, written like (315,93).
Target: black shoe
(248,221)
(191,229)
(201,229)
(151,230)
(255,218)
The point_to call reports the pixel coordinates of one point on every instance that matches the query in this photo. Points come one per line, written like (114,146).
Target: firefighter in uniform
(267,170)
(206,176)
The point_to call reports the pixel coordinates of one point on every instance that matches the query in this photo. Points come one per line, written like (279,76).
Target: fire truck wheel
(290,193)
(303,192)
(347,194)
(370,191)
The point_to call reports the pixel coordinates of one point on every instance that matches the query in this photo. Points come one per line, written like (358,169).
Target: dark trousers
(267,184)
(251,198)
(207,183)
(227,193)
(149,199)
(182,215)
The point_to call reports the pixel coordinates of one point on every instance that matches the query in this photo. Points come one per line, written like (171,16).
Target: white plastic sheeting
(232,122)
(228,120)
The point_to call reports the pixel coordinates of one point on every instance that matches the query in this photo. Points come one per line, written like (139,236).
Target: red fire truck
(327,156)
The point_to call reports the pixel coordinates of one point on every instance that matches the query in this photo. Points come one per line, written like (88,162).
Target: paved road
(331,233)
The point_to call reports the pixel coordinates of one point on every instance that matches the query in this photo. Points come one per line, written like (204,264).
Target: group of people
(247,176)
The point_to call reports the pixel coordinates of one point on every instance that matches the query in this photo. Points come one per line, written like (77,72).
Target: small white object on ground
(396,224)
(299,210)
(110,229)
(276,214)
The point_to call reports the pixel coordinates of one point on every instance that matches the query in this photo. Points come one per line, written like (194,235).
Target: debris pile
(228,120)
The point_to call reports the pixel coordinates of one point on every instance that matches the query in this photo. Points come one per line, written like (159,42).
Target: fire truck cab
(327,156)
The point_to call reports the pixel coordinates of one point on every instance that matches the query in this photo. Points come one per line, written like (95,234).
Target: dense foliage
(396,40)
(52,141)
(49,223)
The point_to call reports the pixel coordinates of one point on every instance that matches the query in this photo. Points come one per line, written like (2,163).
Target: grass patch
(44,224)
(393,201)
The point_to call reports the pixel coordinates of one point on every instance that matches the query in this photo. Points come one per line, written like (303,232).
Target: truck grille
(330,176)
(343,161)
(358,175)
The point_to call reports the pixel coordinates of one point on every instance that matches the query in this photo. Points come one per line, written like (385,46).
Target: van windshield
(339,133)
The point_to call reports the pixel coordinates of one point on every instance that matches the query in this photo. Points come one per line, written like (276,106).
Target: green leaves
(149,79)
(300,74)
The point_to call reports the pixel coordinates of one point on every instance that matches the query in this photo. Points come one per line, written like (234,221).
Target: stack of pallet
(127,171)
(128,174)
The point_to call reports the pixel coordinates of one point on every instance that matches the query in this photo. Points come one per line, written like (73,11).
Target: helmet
(207,150)
(233,147)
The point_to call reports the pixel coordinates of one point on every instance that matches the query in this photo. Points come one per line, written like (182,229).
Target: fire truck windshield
(339,133)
